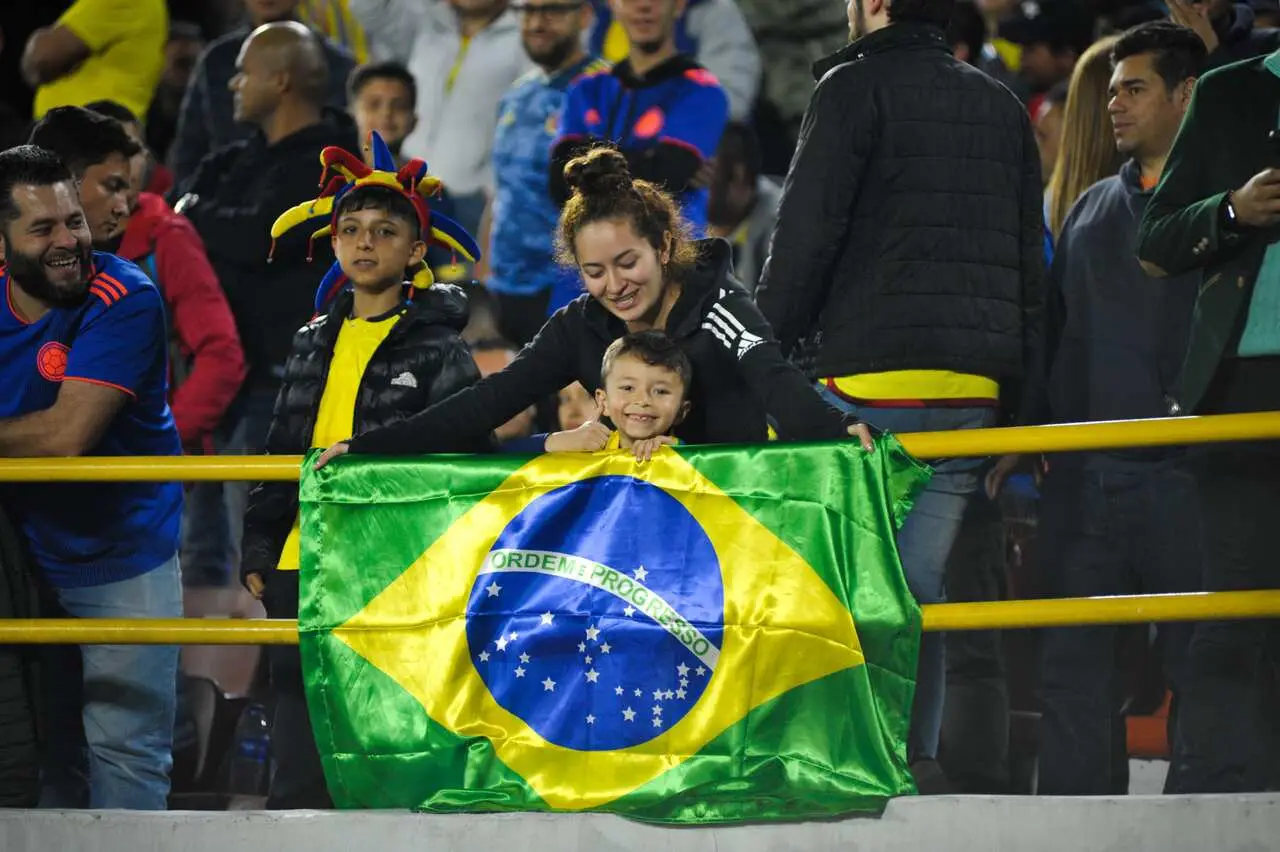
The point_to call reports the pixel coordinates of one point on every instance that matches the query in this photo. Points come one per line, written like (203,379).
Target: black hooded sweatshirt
(739,375)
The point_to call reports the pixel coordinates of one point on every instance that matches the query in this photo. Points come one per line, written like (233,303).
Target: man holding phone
(1217,210)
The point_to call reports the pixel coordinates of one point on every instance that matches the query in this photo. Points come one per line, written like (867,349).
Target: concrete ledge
(960,823)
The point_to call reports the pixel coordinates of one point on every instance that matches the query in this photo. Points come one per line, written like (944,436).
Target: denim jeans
(213,523)
(1127,528)
(924,543)
(109,709)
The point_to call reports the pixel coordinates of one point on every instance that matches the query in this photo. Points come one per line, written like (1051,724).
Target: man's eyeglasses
(549,9)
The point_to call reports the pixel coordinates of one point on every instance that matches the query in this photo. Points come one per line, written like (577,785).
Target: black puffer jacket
(739,375)
(422,361)
(910,232)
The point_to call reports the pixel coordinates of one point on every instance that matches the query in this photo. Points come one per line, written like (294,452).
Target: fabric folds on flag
(720,634)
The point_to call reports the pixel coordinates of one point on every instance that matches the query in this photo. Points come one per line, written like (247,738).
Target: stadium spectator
(1048,127)
(470,52)
(281,87)
(910,236)
(334,20)
(743,205)
(1120,522)
(714,32)
(181,54)
(1052,35)
(383,96)
(1216,212)
(112,49)
(208,120)
(1087,153)
(82,345)
(526,281)
(1227,28)
(662,109)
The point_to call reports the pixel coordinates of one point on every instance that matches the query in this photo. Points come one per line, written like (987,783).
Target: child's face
(375,247)
(642,400)
(574,407)
(384,105)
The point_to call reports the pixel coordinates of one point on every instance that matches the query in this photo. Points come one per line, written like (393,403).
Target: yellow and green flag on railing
(722,633)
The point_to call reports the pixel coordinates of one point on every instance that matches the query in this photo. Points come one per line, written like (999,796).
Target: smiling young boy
(383,97)
(380,350)
(645,381)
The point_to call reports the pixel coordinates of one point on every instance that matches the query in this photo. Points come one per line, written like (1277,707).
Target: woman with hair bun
(640,271)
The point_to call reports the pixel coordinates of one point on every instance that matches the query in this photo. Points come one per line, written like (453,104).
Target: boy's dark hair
(1179,53)
(26,165)
(82,138)
(936,12)
(967,27)
(382,198)
(389,70)
(654,348)
(113,109)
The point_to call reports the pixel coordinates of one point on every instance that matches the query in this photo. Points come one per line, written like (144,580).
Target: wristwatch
(1230,221)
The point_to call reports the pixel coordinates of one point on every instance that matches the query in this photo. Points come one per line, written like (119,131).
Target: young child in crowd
(381,349)
(383,97)
(645,378)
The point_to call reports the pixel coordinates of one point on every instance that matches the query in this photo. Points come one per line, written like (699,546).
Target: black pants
(975,721)
(520,318)
(1227,729)
(1127,530)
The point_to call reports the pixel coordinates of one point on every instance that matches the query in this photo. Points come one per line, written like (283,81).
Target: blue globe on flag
(598,615)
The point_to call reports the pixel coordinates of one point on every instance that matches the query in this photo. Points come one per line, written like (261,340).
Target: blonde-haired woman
(1087,153)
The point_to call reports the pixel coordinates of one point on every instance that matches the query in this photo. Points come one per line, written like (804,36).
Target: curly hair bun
(600,171)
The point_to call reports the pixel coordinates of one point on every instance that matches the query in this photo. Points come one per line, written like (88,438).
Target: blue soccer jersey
(85,534)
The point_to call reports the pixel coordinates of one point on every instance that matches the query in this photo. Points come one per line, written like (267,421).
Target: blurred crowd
(204,121)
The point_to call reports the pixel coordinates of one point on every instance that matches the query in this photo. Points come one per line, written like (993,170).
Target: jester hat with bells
(412,181)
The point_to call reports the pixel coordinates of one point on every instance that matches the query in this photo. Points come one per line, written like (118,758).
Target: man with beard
(664,111)
(82,349)
(526,281)
(910,250)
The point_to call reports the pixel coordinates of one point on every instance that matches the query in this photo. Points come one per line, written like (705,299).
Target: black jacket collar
(904,36)
(673,67)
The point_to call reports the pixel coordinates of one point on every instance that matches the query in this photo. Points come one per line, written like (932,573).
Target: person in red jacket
(207,361)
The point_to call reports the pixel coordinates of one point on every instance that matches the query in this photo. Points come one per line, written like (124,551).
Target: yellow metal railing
(927,445)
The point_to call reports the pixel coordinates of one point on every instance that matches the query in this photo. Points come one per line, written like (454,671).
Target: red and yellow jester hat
(412,181)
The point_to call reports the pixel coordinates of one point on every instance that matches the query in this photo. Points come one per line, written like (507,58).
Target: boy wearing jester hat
(384,345)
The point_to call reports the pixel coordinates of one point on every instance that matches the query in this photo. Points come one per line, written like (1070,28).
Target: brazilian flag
(722,633)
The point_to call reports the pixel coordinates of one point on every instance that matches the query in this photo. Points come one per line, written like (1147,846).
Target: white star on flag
(524,658)
(657,695)
(548,685)
(682,670)
(668,694)
(493,589)
(587,659)
(629,611)
(519,671)
(501,643)
(591,720)
(680,693)
(582,646)
(604,649)
(617,690)
(592,633)
(637,693)
(514,636)
(684,681)
(629,715)
(641,573)
(657,721)
(657,709)
(593,676)
(547,618)
(484,656)
(700,670)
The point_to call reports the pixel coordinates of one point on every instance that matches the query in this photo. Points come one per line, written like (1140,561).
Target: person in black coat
(374,357)
(627,239)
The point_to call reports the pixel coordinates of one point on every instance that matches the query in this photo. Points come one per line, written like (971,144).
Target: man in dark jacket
(1120,522)
(235,196)
(910,238)
(207,120)
(1217,210)
(1227,29)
